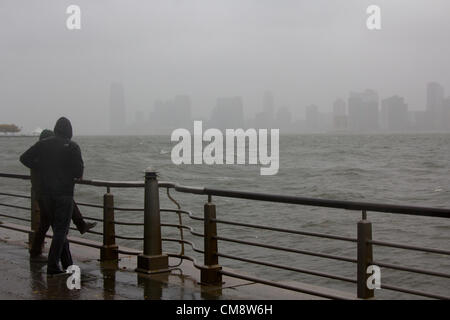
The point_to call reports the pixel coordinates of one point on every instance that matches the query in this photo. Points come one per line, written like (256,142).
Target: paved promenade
(21,279)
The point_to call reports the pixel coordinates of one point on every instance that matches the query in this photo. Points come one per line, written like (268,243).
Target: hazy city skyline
(361,112)
(304,52)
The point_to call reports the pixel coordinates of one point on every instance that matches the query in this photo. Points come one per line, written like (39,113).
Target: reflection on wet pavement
(22,279)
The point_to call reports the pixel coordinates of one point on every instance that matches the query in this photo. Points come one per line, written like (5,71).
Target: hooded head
(45,134)
(63,128)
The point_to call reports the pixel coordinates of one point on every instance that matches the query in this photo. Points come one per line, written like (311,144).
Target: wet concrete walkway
(22,279)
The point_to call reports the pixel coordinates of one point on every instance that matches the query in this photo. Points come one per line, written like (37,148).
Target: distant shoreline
(21,136)
(337,133)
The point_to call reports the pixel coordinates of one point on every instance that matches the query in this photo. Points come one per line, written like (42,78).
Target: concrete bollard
(365,258)
(109,250)
(152,260)
(210,275)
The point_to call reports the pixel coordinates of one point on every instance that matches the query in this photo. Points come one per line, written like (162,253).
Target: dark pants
(58,210)
(44,225)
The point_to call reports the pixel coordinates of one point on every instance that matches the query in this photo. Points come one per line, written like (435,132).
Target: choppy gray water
(401,169)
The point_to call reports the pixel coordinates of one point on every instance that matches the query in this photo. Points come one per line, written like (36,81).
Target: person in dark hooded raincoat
(59,162)
(44,224)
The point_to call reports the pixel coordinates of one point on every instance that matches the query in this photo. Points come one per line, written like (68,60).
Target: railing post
(152,260)
(109,250)
(365,257)
(210,275)
(35,217)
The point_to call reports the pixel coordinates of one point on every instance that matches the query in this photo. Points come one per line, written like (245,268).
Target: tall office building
(363,111)
(312,118)
(446,114)
(228,113)
(435,97)
(339,115)
(266,118)
(171,114)
(139,117)
(268,104)
(435,104)
(117,117)
(394,114)
(283,120)
(182,111)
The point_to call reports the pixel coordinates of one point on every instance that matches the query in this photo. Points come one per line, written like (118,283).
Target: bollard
(152,260)
(109,250)
(365,257)
(210,274)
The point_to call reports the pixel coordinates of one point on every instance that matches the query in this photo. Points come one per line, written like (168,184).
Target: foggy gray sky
(303,51)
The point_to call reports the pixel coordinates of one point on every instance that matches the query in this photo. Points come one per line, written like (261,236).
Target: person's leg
(39,236)
(77,218)
(79,222)
(66,257)
(62,214)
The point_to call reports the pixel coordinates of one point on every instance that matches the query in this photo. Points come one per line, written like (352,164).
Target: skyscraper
(266,118)
(228,113)
(268,104)
(435,104)
(171,114)
(363,111)
(117,117)
(339,115)
(312,118)
(283,120)
(181,111)
(446,114)
(394,114)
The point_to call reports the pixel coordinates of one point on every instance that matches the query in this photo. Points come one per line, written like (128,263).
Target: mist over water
(410,169)
(304,52)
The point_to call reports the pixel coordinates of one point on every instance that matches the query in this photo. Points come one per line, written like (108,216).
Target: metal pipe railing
(304,252)
(414,270)
(337,204)
(153,260)
(283,286)
(288,268)
(15,206)
(408,247)
(13,217)
(302,233)
(15,195)
(414,292)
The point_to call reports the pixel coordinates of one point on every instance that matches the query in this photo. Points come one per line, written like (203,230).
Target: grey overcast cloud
(304,52)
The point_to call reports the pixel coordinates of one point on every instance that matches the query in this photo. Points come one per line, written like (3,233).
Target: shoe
(88,226)
(38,258)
